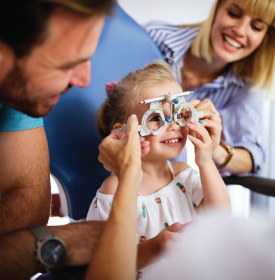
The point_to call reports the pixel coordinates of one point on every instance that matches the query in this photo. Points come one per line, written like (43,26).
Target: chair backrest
(71,131)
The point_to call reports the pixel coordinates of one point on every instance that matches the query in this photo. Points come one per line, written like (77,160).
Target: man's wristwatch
(50,250)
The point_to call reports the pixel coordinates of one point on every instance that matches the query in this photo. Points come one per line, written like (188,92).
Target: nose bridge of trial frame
(173,100)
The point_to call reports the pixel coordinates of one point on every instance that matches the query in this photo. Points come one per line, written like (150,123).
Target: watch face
(53,253)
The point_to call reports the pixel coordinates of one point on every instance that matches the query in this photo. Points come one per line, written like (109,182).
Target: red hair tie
(110,88)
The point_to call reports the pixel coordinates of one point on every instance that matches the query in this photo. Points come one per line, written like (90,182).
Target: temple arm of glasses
(123,128)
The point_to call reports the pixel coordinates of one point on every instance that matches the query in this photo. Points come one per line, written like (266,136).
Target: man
(45,48)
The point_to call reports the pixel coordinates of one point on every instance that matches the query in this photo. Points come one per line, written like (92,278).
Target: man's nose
(82,75)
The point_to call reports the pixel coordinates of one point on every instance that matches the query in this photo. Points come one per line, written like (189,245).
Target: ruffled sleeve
(100,207)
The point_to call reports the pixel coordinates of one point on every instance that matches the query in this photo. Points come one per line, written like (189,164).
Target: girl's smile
(172,141)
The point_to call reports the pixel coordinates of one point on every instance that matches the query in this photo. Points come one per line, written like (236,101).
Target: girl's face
(169,143)
(236,33)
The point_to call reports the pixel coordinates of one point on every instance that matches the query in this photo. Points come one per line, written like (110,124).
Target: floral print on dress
(158,200)
(142,238)
(181,186)
(139,275)
(143,211)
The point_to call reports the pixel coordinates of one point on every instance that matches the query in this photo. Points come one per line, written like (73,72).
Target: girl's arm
(214,190)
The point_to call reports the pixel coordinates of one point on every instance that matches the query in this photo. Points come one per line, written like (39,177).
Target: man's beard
(14,93)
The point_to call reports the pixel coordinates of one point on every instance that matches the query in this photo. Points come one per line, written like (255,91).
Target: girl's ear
(117,125)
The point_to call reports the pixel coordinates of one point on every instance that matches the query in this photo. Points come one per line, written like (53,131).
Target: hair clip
(110,88)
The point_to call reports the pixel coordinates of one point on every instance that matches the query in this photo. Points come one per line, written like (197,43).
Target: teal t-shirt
(12,120)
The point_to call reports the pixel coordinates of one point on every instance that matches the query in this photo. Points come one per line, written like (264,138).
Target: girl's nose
(172,126)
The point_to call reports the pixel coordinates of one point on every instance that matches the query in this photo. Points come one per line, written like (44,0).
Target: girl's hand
(202,141)
(164,240)
(145,146)
(211,120)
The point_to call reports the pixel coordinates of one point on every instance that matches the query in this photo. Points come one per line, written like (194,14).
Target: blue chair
(71,131)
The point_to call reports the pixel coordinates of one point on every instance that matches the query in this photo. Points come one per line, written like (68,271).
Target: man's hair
(258,67)
(128,92)
(23,23)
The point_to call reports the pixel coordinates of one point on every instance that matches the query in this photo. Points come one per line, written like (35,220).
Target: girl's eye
(156,119)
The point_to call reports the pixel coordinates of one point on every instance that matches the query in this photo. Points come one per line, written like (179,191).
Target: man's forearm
(17,257)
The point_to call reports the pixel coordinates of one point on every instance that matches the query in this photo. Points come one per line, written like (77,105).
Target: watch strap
(229,151)
(41,232)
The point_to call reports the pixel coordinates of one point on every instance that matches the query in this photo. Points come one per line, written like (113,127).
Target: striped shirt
(240,106)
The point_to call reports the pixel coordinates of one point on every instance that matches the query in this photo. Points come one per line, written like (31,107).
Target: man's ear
(6,52)
(1,50)
(117,125)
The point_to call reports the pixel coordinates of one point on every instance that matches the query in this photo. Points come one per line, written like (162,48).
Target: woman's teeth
(232,43)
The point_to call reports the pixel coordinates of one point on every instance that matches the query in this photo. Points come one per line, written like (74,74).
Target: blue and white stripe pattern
(240,106)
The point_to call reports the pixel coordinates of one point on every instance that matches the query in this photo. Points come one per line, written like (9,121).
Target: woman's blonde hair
(128,92)
(258,67)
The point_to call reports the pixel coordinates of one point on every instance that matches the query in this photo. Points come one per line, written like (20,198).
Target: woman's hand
(211,121)
(119,150)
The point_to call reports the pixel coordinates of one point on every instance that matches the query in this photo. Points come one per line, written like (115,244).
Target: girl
(170,192)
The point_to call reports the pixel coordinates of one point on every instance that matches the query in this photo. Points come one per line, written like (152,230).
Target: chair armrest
(257,184)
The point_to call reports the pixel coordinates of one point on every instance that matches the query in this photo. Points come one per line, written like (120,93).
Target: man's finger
(175,227)
(132,125)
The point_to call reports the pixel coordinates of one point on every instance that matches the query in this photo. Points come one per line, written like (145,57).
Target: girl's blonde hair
(259,67)
(127,94)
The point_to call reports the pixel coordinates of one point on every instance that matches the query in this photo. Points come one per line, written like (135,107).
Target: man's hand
(119,149)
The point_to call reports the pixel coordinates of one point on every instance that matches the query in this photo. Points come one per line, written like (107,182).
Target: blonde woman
(225,61)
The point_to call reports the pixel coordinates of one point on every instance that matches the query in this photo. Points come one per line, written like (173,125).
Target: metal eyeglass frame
(176,101)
